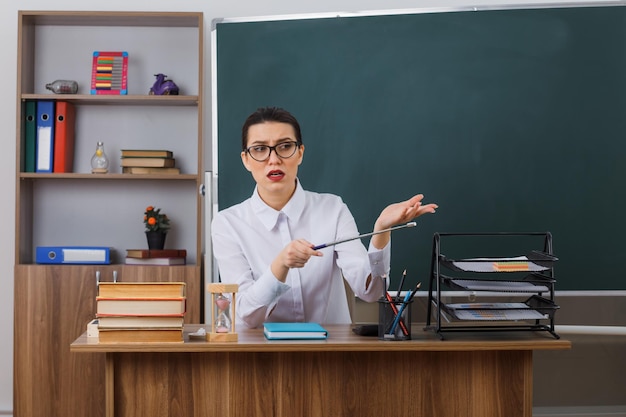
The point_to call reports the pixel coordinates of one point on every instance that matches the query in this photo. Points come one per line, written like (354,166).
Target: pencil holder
(394,320)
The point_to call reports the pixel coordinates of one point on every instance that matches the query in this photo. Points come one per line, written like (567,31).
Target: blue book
(278,331)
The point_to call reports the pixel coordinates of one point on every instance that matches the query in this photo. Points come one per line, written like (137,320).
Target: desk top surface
(340,338)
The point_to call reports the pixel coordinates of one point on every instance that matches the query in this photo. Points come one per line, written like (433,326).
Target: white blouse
(248,236)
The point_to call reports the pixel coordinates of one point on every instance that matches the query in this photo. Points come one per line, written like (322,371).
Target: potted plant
(157,224)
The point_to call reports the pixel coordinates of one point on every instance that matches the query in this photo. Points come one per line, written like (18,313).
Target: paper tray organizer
(532,273)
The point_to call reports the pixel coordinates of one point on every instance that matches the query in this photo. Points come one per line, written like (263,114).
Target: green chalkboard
(511,120)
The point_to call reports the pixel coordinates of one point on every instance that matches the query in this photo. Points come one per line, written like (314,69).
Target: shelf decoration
(99,160)
(109,73)
(222,312)
(157,225)
(163,87)
(63,87)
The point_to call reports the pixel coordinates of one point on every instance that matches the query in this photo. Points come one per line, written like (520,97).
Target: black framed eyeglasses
(262,153)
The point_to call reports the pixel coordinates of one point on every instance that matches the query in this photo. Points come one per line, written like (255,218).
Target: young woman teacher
(265,244)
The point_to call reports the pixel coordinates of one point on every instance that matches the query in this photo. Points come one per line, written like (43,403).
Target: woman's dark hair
(269,114)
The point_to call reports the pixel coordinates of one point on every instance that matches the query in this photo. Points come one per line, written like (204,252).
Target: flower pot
(156,239)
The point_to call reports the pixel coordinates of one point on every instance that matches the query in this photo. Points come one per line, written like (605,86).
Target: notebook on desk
(285,331)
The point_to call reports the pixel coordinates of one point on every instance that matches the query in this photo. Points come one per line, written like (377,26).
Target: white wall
(212,9)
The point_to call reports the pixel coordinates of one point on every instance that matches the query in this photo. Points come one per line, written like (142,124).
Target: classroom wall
(212,10)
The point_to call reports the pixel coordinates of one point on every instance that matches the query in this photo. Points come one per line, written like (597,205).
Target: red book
(64,137)
(156,253)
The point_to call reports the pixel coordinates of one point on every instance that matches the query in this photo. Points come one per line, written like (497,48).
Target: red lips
(275,175)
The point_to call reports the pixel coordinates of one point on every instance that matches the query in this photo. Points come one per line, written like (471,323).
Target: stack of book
(148,161)
(156,256)
(140,312)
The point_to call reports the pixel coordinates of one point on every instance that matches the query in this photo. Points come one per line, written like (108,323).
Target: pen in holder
(394,318)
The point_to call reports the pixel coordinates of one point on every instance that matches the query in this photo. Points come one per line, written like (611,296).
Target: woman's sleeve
(256,297)
(358,264)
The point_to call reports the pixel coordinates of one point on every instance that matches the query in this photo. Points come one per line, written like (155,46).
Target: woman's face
(276,176)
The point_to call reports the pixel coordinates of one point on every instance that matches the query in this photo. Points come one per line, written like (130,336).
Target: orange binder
(64,137)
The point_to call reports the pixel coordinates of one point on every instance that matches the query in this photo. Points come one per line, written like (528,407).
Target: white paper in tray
(515,264)
(526,314)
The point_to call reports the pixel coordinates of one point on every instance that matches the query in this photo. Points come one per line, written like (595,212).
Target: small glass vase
(156,239)
(63,87)
(99,160)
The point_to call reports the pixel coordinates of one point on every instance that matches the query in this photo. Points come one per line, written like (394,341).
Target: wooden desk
(346,375)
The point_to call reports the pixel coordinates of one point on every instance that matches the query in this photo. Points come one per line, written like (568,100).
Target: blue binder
(45,135)
(73,255)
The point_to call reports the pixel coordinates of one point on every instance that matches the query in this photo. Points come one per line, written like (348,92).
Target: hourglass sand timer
(222,312)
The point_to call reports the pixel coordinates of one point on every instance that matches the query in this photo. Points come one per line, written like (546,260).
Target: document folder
(64,137)
(30,136)
(73,255)
(45,135)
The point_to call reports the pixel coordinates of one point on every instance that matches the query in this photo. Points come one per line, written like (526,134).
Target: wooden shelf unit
(54,303)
